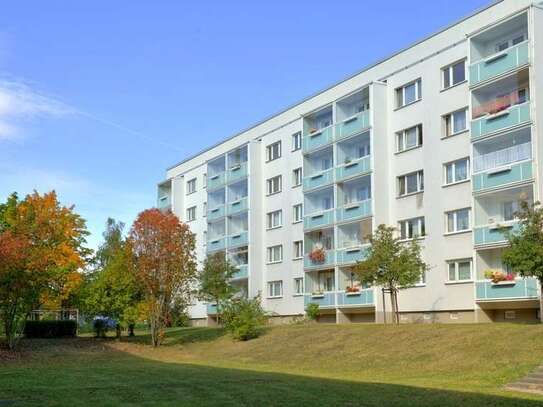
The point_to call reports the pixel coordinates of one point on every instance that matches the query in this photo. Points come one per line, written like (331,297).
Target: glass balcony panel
(365,297)
(216,213)
(500,63)
(353,125)
(326,300)
(353,168)
(503,176)
(237,206)
(238,239)
(521,288)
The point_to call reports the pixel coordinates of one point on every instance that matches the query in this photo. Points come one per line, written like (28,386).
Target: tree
(525,251)
(112,290)
(392,264)
(164,262)
(215,280)
(244,318)
(42,244)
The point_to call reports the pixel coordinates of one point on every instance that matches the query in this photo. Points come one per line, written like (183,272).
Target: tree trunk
(118,331)
(131,330)
(394,303)
(540,301)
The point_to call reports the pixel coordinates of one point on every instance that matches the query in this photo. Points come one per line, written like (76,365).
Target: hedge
(50,329)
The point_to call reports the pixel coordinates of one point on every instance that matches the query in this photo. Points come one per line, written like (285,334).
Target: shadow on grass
(116,378)
(180,336)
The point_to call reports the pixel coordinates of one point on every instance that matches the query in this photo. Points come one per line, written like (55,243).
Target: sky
(99,98)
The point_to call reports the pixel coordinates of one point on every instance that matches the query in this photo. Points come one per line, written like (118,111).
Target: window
(297,141)
(298,249)
(273,185)
(204,181)
(298,213)
(454,74)
(456,171)
(204,209)
(275,289)
(409,93)
(457,221)
(459,270)
(411,183)
(412,228)
(191,186)
(273,151)
(275,254)
(409,138)
(274,219)
(510,209)
(191,213)
(297,177)
(298,286)
(515,40)
(455,122)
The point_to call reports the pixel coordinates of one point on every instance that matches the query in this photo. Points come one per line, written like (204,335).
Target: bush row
(50,329)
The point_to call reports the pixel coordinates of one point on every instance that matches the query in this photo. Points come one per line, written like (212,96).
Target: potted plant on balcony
(313,130)
(317,255)
(352,290)
(499,277)
(317,293)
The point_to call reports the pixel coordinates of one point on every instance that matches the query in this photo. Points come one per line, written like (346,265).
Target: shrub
(244,318)
(50,329)
(101,325)
(312,311)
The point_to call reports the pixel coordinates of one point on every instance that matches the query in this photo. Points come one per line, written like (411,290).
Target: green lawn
(351,365)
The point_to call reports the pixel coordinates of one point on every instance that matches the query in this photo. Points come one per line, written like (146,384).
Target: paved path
(533,383)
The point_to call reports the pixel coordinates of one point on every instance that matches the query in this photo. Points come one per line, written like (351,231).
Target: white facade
(440,140)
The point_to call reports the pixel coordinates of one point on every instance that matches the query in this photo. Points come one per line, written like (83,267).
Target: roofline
(367,68)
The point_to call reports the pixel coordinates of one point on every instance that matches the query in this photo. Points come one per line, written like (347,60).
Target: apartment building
(440,140)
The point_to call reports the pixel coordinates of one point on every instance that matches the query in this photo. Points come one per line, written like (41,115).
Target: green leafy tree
(525,252)
(214,279)
(392,264)
(244,318)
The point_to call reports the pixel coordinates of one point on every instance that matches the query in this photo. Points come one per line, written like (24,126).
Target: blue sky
(98,98)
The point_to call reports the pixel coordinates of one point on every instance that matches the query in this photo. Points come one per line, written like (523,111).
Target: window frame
(192,210)
(402,135)
(449,71)
(270,250)
(274,215)
(272,288)
(296,141)
(298,246)
(295,212)
(456,263)
(269,182)
(191,186)
(454,213)
(421,226)
(400,102)
(420,183)
(454,164)
(448,122)
(270,149)
(297,177)
(298,283)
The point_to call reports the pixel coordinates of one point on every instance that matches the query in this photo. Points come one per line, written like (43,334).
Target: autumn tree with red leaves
(164,262)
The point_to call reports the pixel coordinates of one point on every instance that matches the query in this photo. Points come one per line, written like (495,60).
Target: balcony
(351,255)
(216,180)
(238,206)
(325,300)
(353,168)
(329,260)
(503,176)
(513,116)
(319,220)
(215,244)
(318,180)
(494,234)
(355,210)
(364,298)
(237,172)
(519,289)
(211,309)
(317,139)
(164,202)
(238,239)
(216,213)
(353,125)
(500,63)
(243,272)
(501,151)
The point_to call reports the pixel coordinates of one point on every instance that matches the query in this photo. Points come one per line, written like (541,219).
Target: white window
(297,141)
(298,249)
(454,74)
(275,254)
(274,219)
(455,122)
(458,220)
(297,213)
(273,185)
(409,138)
(204,181)
(204,209)
(412,228)
(409,93)
(275,289)
(273,151)
(459,270)
(456,171)
(191,214)
(511,42)
(297,177)
(191,186)
(411,183)
(298,286)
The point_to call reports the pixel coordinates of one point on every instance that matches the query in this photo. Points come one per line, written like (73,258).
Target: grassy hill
(354,365)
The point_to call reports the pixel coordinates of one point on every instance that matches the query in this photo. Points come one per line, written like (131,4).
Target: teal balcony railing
(237,172)
(164,202)
(519,289)
(216,244)
(317,139)
(327,299)
(351,255)
(238,239)
(237,206)
(318,180)
(503,176)
(353,125)
(329,260)
(514,116)
(243,272)
(494,234)
(354,168)
(364,297)
(211,309)
(319,219)
(500,63)
(356,210)
(216,213)
(216,181)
